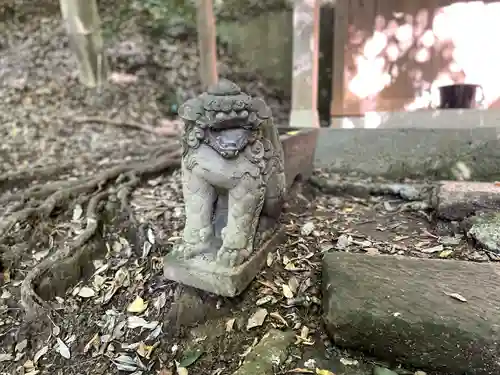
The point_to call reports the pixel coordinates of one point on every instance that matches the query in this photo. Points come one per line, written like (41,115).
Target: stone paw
(188,251)
(229,257)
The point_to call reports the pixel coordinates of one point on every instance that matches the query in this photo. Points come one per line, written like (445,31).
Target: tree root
(30,301)
(29,174)
(41,191)
(93,190)
(127,124)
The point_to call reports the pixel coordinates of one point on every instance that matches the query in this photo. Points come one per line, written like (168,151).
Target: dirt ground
(90,202)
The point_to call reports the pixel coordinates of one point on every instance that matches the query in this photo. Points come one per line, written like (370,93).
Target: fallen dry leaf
(125,363)
(122,78)
(230,324)
(121,279)
(349,362)
(160,302)
(138,306)
(94,341)
(293,284)
(77,212)
(62,349)
(323,372)
(86,292)
(432,250)
(182,371)
(257,319)
(307,228)
(277,316)
(40,353)
(457,297)
(6,357)
(286,291)
(300,371)
(270,259)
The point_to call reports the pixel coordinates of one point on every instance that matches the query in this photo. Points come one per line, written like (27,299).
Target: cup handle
(482,99)
(432,105)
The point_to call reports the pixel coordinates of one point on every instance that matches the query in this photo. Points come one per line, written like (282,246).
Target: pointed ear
(260,107)
(191,110)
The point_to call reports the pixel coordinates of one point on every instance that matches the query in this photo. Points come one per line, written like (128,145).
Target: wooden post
(207,45)
(305,64)
(339,40)
(82,22)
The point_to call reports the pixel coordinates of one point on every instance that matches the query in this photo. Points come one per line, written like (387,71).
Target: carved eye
(226,105)
(238,105)
(243,114)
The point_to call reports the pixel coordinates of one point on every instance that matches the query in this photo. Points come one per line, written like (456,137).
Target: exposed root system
(38,202)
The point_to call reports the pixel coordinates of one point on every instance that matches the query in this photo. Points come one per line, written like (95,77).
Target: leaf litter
(117,319)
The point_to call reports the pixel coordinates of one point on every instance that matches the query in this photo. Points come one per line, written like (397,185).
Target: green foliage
(161,14)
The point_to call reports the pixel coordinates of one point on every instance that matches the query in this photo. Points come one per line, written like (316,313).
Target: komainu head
(224,118)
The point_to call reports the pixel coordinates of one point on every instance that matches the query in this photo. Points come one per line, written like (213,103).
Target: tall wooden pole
(207,45)
(83,25)
(305,64)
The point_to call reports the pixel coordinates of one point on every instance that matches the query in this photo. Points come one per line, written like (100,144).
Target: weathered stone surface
(455,200)
(405,309)
(234,187)
(486,231)
(298,148)
(334,360)
(414,150)
(268,354)
(224,281)
(233,174)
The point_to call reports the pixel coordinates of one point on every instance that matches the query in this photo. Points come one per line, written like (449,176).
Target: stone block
(299,146)
(268,354)
(485,230)
(432,314)
(455,200)
(211,277)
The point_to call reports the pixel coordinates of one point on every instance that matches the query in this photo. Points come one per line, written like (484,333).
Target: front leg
(199,198)
(245,205)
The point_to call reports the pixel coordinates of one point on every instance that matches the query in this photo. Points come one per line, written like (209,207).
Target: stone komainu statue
(233,174)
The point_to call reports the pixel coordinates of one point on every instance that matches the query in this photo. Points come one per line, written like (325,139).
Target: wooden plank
(205,24)
(401,308)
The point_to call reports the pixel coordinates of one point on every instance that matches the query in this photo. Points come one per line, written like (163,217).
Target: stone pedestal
(211,277)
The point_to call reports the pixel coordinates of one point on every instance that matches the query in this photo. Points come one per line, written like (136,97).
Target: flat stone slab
(437,154)
(268,354)
(227,282)
(486,231)
(442,315)
(455,200)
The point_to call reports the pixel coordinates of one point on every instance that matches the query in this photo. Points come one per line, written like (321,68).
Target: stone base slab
(227,282)
(456,200)
(432,314)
